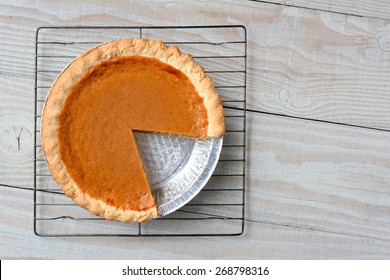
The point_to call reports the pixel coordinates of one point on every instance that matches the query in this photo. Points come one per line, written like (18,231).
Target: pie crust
(73,73)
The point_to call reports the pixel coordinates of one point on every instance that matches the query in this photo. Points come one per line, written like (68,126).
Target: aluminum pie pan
(177,168)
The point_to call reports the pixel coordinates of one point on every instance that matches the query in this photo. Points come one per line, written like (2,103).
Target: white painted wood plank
(320,176)
(314,190)
(321,66)
(16,131)
(301,62)
(377,8)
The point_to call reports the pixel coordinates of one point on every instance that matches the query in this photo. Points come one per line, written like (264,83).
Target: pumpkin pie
(97,103)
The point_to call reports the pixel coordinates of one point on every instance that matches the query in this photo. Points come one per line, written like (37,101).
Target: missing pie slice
(97,103)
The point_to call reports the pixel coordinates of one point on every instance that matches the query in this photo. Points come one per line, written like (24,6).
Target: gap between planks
(318,9)
(258,221)
(315,120)
(254,221)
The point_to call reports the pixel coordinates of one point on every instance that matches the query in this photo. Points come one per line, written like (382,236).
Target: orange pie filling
(100,113)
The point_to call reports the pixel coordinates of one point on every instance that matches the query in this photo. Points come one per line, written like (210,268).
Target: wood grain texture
(262,240)
(304,63)
(16,131)
(375,9)
(303,202)
(314,190)
(322,66)
(307,176)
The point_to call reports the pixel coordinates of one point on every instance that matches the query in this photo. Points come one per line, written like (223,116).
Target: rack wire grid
(219,209)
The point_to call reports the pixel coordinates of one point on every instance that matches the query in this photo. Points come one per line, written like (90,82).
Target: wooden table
(318,128)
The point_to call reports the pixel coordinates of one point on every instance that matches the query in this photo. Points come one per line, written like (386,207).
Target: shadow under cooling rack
(219,209)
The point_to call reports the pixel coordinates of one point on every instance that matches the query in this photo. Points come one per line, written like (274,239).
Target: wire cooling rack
(219,209)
